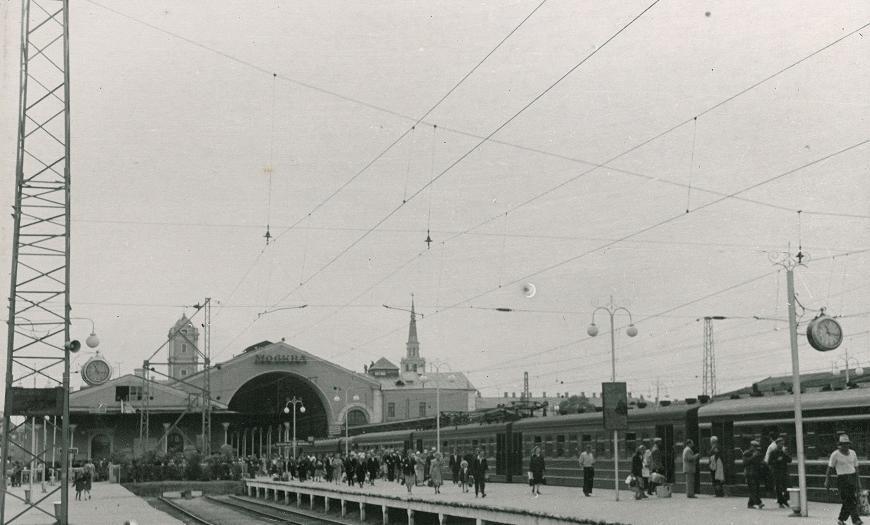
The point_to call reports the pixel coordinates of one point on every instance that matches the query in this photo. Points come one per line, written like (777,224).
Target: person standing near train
(844,464)
(690,462)
(778,460)
(478,470)
(587,464)
(753,459)
(536,469)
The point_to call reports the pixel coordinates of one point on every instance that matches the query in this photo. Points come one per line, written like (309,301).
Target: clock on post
(96,371)
(824,333)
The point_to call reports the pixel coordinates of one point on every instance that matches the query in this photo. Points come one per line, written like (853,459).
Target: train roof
(668,413)
(839,399)
(471,428)
(378,436)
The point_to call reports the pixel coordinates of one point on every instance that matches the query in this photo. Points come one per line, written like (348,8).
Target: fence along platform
(327,498)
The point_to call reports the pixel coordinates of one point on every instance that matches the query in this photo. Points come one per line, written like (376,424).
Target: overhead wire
(465,155)
(193,42)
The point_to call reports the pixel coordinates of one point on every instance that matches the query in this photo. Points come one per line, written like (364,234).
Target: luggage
(658,478)
(663,491)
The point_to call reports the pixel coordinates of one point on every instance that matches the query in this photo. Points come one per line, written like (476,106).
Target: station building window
(422,409)
(391,410)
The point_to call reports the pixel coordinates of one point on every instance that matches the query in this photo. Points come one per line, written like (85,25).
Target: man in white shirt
(587,463)
(844,463)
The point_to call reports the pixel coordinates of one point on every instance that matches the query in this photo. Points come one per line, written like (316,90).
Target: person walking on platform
(717,468)
(360,473)
(752,464)
(656,465)
(464,473)
(844,464)
(409,467)
(455,460)
(637,472)
(478,470)
(778,461)
(536,471)
(645,465)
(435,475)
(587,463)
(690,462)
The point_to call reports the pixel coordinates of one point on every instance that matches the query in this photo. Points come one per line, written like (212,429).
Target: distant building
(410,392)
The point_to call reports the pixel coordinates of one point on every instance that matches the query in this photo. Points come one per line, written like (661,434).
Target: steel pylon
(37,362)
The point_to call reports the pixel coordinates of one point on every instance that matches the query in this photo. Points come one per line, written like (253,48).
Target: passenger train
(736,422)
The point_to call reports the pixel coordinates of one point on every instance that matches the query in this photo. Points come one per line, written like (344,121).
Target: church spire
(413,345)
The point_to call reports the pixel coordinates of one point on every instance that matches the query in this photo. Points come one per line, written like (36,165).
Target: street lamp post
(847,361)
(346,410)
(631,331)
(437,365)
(294,402)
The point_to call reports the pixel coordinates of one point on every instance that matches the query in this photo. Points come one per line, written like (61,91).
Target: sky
(656,153)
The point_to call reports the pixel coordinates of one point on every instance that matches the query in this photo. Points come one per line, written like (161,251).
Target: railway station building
(160,409)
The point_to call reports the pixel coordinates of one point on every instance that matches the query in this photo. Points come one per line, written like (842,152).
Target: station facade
(150,410)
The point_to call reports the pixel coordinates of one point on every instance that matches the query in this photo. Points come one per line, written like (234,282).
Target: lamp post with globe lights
(92,341)
(451,378)
(337,398)
(631,331)
(294,402)
(847,361)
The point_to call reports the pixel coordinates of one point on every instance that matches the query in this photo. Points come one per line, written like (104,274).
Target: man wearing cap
(844,463)
(752,461)
(778,460)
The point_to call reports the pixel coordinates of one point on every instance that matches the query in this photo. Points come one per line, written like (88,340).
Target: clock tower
(183,353)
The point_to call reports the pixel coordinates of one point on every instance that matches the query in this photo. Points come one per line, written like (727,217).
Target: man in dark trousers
(455,460)
(778,460)
(478,470)
(752,462)
(844,465)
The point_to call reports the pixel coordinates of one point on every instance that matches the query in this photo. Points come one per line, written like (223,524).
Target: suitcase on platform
(864,503)
(664,491)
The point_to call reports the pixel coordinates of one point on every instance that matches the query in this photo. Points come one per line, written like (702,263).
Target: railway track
(229,510)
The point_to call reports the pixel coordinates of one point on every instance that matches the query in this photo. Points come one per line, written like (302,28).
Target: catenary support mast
(39,298)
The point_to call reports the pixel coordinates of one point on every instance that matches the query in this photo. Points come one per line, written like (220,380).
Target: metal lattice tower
(708,383)
(39,299)
(526,394)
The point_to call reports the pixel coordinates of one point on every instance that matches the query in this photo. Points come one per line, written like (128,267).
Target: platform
(513,503)
(110,504)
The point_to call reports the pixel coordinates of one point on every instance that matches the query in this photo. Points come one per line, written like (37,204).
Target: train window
(587,438)
(572,445)
(560,446)
(630,442)
(548,446)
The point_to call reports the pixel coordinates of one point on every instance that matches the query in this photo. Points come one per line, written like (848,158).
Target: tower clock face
(96,372)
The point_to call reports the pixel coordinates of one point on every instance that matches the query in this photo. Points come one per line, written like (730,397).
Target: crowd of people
(361,468)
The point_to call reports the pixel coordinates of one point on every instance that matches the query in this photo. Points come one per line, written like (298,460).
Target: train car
(324,446)
(395,439)
(826,415)
(467,439)
(561,438)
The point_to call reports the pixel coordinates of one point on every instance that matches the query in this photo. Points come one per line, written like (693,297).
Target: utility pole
(789,262)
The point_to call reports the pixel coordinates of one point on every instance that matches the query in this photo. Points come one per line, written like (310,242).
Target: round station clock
(824,333)
(96,371)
